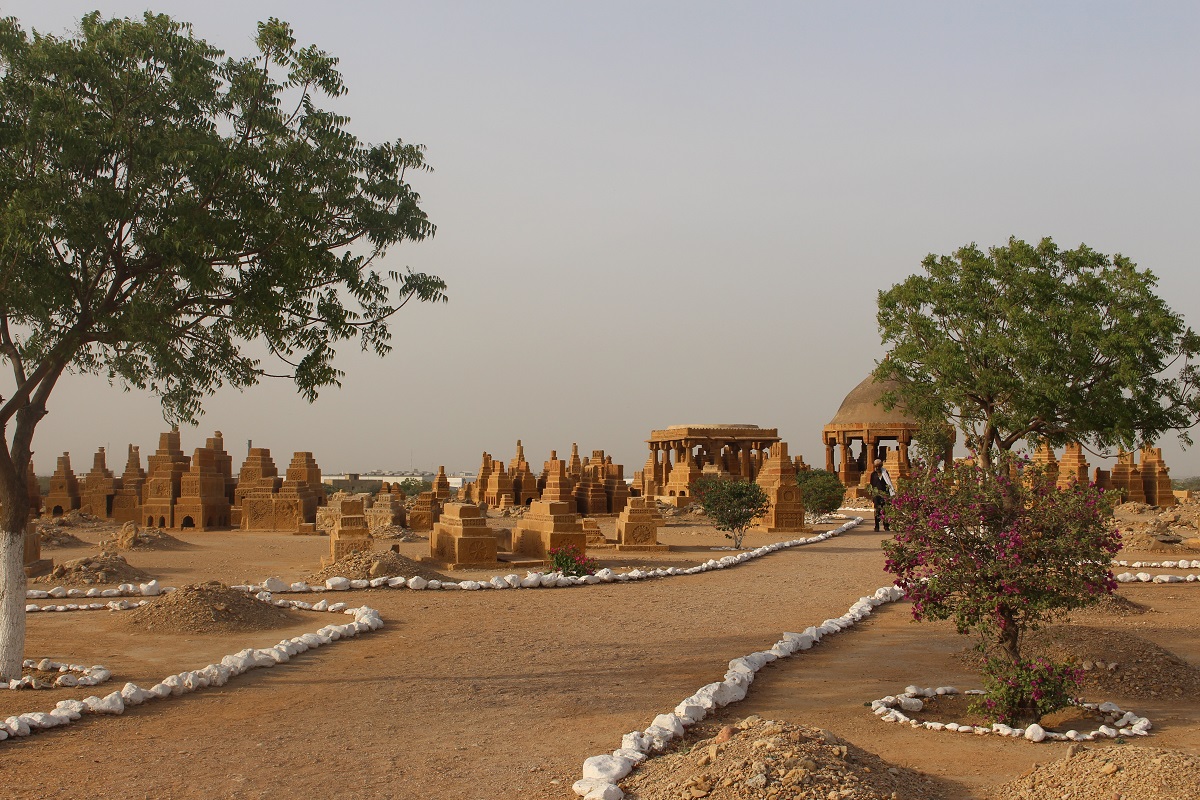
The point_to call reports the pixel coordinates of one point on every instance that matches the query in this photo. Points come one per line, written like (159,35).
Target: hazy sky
(658,213)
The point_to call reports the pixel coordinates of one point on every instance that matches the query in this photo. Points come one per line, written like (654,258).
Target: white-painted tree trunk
(12,603)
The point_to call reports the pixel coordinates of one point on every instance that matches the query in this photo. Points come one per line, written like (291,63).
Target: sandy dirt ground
(503,694)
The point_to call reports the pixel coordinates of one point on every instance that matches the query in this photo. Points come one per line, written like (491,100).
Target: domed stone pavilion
(863,421)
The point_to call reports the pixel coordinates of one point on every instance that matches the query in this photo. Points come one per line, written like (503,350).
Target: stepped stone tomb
(127,500)
(461,538)
(638,524)
(778,479)
(164,478)
(549,524)
(441,485)
(64,488)
(203,503)
(386,509)
(350,533)
(425,512)
(100,487)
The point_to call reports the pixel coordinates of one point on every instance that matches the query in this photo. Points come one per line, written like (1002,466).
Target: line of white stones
(1181,564)
(70,675)
(601,773)
(1146,577)
(1117,722)
(218,674)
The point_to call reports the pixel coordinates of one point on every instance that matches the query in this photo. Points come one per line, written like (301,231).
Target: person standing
(881,493)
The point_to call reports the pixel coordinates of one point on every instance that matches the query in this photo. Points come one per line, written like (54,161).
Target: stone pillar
(829,457)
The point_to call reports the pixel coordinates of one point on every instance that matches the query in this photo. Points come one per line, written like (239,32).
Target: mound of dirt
(132,537)
(761,758)
(108,567)
(1111,605)
(210,608)
(1167,530)
(1128,772)
(1114,662)
(397,533)
(375,564)
(54,536)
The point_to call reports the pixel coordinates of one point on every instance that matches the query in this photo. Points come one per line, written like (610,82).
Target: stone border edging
(1146,577)
(67,711)
(87,676)
(601,773)
(1180,564)
(1118,722)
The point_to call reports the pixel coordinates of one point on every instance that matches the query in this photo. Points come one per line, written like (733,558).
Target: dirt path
(503,694)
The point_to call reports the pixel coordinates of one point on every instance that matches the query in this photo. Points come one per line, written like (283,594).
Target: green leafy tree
(732,505)
(1030,341)
(1000,552)
(822,491)
(177,220)
(414,486)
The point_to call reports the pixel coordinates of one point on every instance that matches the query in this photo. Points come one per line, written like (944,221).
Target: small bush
(821,490)
(732,505)
(569,561)
(1022,693)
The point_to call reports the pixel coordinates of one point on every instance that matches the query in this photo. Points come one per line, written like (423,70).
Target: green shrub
(821,490)
(732,505)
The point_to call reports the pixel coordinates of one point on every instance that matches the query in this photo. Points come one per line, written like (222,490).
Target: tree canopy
(1032,341)
(177,220)
(732,505)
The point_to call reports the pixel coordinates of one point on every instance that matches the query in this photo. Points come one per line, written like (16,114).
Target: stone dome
(863,407)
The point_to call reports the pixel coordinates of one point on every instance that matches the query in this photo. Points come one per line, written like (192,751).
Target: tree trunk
(1010,637)
(12,600)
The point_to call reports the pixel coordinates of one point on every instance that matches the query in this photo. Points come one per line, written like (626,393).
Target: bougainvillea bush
(570,561)
(1000,551)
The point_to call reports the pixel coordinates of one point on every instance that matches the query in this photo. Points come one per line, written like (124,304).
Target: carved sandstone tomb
(127,502)
(778,479)
(462,539)
(638,524)
(64,488)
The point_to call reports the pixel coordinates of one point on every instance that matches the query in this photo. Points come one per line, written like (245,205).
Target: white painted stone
(274,585)
(434,585)
(109,704)
(607,768)
(605,791)
(669,722)
(338,584)
(584,785)
(634,740)
(150,589)
(1035,733)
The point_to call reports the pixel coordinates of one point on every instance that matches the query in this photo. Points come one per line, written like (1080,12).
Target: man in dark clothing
(881,493)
